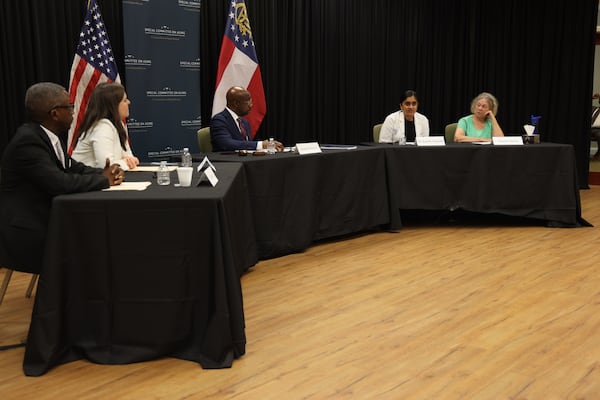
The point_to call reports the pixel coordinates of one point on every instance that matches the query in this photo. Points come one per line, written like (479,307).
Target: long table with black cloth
(133,276)
(299,199)
(137,275)
(533,181)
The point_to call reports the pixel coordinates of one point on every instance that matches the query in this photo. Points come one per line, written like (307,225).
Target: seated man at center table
(229,131)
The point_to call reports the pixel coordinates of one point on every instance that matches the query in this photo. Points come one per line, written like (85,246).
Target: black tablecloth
(133,276)
(535,181)
(298,199)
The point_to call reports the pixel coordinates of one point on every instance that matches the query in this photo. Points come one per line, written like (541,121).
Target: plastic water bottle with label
(186,158)
(163,176)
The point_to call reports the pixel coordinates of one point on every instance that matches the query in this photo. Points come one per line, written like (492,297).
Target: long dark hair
(407,94)
(104,103)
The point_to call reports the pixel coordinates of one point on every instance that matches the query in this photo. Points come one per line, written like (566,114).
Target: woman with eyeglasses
(481,125)
(103,133)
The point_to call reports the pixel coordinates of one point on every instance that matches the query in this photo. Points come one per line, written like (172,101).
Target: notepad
(150,168)
(337,147)
(129,186)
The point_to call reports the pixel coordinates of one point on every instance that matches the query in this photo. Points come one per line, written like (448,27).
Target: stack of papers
(129,186)
(338,147)
(152,168)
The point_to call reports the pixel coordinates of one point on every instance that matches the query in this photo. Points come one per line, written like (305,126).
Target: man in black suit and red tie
(229,131)
(35,168)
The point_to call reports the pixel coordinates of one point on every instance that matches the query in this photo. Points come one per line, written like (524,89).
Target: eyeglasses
(71,106)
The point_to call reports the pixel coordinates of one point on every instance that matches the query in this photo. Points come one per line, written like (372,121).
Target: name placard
(308,148)
(507,140)
(208,175)
(430,141)
(204,162)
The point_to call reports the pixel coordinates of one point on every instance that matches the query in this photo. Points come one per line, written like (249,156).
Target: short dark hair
(40,98)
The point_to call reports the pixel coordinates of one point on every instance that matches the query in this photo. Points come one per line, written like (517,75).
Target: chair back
(376,130)
(449,131)
(204,140)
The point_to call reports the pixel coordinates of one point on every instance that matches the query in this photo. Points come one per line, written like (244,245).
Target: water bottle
(163,176)
(271,146)
(186,158)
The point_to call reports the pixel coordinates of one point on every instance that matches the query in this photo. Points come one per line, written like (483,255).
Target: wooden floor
(436,311)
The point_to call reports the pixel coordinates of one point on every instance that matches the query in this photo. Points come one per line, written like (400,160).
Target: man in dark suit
(229,131)
(35,168)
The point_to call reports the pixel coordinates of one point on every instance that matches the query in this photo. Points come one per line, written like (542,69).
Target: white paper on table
(507,140)
(338,147)
(129,186)
(308,148)
(430,141)
(151,168)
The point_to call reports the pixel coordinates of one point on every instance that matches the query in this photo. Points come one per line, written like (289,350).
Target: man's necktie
(243,129)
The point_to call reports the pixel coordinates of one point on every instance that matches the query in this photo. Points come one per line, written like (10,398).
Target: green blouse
(467,125)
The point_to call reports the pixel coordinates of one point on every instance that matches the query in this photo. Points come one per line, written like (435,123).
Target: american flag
(93,63)
(238,65)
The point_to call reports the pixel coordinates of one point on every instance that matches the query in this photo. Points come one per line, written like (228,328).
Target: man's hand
(113,173)
(278,145)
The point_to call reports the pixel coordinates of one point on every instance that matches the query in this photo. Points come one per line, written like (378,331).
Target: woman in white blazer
(102,133)
(406,124)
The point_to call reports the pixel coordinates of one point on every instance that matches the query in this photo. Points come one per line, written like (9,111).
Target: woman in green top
(481,125)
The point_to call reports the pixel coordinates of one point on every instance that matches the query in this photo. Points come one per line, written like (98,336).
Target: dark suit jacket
(31,176)
(225,134)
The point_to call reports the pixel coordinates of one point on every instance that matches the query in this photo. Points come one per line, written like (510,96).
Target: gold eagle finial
(241,19)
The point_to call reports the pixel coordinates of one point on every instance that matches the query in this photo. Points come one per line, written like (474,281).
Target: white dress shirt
(56,145)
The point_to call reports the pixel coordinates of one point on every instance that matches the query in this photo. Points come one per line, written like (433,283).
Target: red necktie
(242,129)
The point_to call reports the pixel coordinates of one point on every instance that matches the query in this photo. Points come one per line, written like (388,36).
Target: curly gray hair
(491,100)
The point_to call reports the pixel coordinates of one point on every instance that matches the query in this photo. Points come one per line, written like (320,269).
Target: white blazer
(100,143)
(393,127)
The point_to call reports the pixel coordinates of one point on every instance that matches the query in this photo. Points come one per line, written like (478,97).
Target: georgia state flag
(238,65)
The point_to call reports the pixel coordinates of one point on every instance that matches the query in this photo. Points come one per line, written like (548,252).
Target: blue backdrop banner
(162,76)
